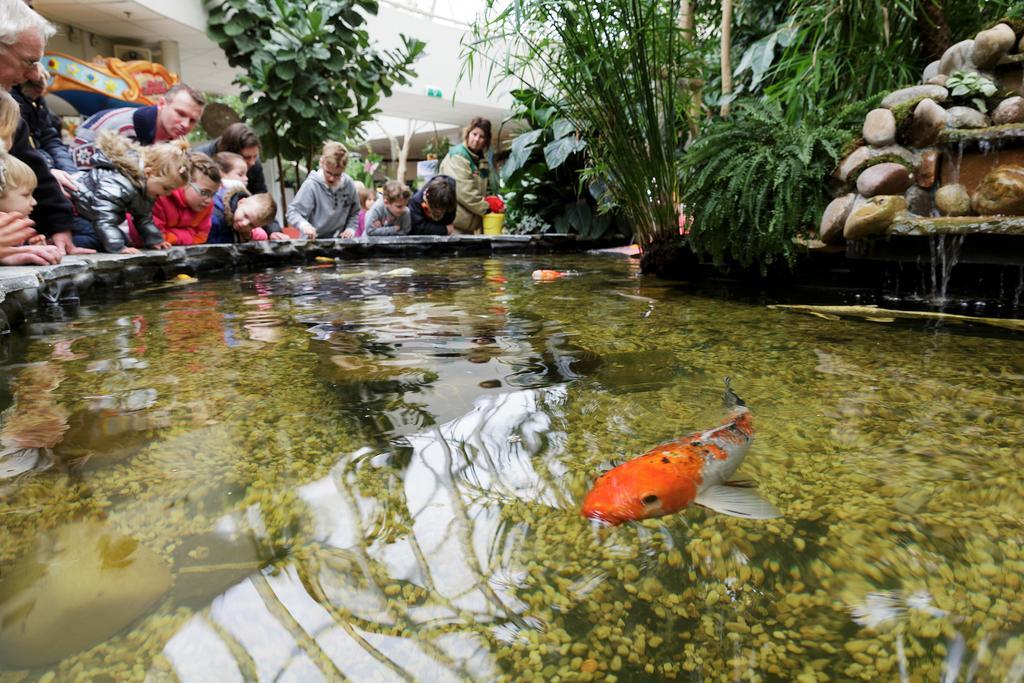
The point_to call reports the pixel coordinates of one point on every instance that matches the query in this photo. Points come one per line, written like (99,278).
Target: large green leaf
(522,147)
(555,153)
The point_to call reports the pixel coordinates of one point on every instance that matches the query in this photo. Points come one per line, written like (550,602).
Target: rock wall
(966,117)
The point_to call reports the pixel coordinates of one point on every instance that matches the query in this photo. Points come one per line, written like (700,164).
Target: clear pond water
(341,474)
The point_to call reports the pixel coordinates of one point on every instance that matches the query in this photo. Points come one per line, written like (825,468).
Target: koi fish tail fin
(730,398)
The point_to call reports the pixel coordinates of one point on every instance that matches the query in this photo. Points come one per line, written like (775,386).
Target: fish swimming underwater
(543,275)
(694,469)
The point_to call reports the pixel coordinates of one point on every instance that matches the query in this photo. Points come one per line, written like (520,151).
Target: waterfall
(945,254)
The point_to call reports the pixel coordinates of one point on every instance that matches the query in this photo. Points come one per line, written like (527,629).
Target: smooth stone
(991,45)
(834,218)
(915,92)
(919,201)
(938,79)
(1001,193)
(966,117)
(77,587)
(852,161)
(953,200)
(927,168)
(884,178)
(879,128)
(930,71)
(873,216)
(929,120)
(957,58)
(1010,110)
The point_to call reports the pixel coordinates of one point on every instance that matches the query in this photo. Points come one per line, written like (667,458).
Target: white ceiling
(204,66)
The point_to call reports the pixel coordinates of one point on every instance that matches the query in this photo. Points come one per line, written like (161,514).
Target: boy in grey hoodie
(327,204)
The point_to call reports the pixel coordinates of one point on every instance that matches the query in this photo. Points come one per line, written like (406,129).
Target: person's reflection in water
(35,424)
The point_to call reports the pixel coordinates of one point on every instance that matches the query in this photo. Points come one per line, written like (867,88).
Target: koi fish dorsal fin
(730,398)
(737,502)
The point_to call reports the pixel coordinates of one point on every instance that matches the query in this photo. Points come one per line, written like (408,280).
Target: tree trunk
(726,57)
(280,184)
(933,29)
(686,17)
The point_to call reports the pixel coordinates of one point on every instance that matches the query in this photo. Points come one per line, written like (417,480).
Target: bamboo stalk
(726,57)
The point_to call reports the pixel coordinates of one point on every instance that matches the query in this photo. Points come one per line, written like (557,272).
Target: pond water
(355,473)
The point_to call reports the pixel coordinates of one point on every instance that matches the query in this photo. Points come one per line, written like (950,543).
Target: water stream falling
(945,253)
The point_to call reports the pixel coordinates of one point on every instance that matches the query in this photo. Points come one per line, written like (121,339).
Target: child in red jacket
(184,215)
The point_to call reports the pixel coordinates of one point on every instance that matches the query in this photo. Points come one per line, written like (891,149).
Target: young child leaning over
(389,215)
(125,180)
(184,215)
(239,216)
(233,168)
(367,196)
(432,208)
(19,243)
(327,204)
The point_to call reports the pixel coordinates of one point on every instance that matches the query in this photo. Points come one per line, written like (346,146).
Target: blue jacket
(44,129)
(422,224)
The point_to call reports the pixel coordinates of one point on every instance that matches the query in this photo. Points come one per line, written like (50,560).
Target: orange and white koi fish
(549,275)
(694,469)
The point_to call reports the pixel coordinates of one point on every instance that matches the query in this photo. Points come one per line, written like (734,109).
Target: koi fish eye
(649,499)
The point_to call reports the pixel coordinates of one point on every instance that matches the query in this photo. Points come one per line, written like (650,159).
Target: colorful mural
(106,82)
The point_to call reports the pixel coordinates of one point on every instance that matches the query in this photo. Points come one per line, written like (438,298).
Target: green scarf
(477,163)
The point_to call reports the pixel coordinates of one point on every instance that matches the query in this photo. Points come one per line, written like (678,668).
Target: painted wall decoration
(106,82)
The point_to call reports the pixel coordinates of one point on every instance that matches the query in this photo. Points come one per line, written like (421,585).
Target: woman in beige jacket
(467,163)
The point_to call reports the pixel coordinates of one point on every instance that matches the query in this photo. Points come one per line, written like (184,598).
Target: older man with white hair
(23,36)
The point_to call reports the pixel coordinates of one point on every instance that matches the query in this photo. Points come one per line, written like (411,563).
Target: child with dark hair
(432,208)
(389,215)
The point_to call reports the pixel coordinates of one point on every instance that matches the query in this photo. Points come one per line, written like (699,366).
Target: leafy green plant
(361,167)
(541,179)
(437,147)
(971,86)
(308,71)
(755,182)
(616,72)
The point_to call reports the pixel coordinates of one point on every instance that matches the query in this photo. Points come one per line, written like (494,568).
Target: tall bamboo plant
(617,71)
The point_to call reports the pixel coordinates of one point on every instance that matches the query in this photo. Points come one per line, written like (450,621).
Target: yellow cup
(493,223)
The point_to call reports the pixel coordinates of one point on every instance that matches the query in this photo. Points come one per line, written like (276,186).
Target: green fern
(755,182)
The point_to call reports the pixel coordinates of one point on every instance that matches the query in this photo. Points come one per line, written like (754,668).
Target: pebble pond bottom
(358,472)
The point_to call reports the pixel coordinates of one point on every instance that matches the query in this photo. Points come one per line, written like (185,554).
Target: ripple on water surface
(351,472)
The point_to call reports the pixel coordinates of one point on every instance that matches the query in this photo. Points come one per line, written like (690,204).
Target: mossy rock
(1009,132)
(851,146)
(904,115)
(851,180)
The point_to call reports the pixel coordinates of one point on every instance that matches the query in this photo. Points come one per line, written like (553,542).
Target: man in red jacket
(184,215)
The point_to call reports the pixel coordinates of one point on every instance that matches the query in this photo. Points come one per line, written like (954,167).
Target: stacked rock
(896,169)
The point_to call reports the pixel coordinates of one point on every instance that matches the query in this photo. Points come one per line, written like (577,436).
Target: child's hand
(15,229)
(129,250)
(37,239)
(279,237)
(162,245)
(377,224)
(309,231)
(30,256)
(348,234)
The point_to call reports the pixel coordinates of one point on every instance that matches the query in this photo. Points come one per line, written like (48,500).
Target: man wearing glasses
(184,215)
(23,36)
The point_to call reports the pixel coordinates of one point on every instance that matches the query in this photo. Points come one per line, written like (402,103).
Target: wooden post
(726,56)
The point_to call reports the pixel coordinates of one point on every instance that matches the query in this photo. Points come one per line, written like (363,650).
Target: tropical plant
(308,70)
(971,86)
(819,54)
(541,179)
(615,69)
(437,147)
(755,182)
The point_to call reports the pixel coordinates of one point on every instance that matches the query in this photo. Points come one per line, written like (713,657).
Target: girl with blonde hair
(123,184)
(20,245)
